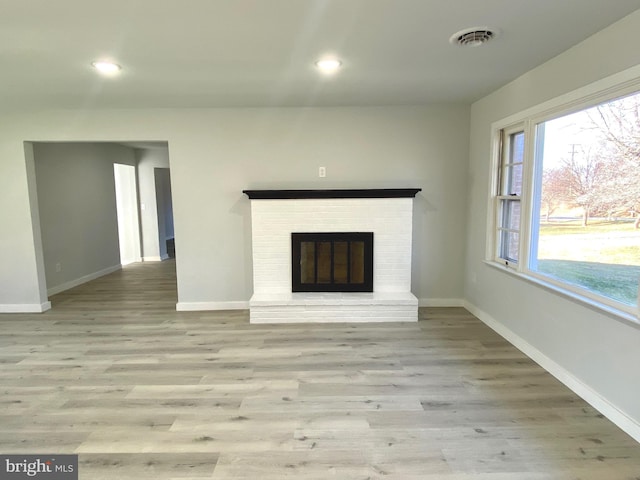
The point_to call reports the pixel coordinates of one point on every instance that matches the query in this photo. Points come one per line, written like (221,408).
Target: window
(509,192)
(567,202)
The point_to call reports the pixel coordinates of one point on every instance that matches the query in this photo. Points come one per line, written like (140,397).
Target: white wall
(77,206)
(217,153)
(594,352)
(22,280)
(127,211)
(149,159)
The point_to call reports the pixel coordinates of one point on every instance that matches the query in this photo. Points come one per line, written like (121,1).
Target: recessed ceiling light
(473,37)
(328,65)
(107,68)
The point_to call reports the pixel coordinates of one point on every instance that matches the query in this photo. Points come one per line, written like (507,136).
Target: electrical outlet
(322,172)
(58,267)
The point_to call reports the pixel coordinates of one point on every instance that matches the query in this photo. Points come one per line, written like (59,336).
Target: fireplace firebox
(332,262)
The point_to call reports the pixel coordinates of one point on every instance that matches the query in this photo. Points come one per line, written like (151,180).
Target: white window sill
(618,314)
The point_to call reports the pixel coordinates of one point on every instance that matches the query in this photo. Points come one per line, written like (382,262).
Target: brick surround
(273,221)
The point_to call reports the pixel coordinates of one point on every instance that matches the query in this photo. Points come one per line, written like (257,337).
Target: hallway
(148,287)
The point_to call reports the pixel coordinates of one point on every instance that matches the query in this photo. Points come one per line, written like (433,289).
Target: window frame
(503,198)
(616,86)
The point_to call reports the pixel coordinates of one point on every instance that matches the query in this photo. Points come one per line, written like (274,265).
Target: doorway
(165,212)
(127,213)
(87,208)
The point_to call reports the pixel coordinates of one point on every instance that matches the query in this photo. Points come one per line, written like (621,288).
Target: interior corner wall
(595,352)
(148,160)
(20,282)
(77,206)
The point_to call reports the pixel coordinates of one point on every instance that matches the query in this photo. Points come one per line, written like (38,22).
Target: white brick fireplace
(276,214)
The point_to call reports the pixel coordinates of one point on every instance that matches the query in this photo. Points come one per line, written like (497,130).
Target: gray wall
(77,205)
(595,351)
(149,159)
(165,208)
(217,153)
(223,152)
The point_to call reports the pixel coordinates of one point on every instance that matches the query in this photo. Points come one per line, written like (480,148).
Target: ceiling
(242,53)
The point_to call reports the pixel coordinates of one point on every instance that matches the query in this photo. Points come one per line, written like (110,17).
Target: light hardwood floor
(141,391)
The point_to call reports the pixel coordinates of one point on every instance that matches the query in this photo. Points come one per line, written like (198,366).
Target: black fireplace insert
(332,262)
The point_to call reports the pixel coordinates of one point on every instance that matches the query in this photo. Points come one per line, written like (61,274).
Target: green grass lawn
(562,227)
(619,282)
(603,257)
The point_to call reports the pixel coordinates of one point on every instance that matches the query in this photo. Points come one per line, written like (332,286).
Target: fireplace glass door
(332,262)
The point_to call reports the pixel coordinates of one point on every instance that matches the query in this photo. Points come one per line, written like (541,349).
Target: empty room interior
(353,239)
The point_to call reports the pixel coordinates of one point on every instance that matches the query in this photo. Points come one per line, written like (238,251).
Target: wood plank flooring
(140,391)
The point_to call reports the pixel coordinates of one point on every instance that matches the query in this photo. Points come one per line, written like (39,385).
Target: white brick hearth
(390,220)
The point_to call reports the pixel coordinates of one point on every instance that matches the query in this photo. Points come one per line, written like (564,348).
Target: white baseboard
(597,401)
(136,260)
(84,279)
(204,306)
(440,302)
(241,305)
(25,307)
(155,258)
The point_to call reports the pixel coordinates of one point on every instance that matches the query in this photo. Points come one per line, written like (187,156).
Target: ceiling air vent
(472,37)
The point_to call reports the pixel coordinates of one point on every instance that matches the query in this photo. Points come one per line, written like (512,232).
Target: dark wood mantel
(340,193)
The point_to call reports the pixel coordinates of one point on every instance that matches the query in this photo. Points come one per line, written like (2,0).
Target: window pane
(585,228)
(514,184)
(517,148)
(510,245)
(511,214)
(512,165)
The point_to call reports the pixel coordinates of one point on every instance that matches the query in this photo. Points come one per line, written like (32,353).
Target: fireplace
(332,262)
(314,258)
